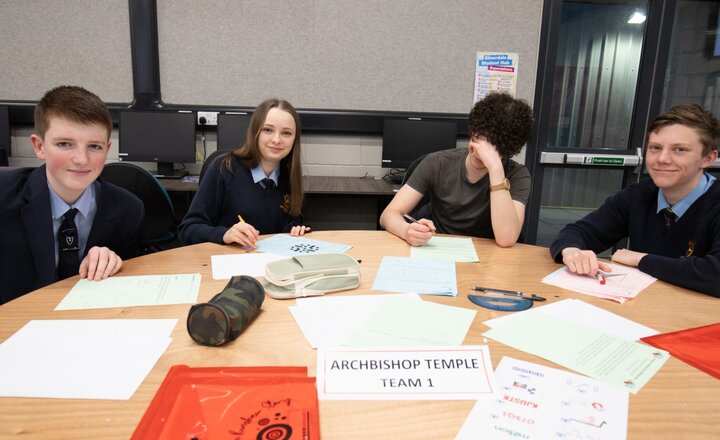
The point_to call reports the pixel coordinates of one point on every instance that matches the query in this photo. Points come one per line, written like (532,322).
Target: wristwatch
(505,184)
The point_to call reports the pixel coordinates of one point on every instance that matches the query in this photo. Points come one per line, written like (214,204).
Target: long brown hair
(249,153)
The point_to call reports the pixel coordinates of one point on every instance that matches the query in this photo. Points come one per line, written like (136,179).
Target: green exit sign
(591,160)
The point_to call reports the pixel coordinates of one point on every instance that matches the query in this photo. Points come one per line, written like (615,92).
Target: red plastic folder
(699,347)
(234,403)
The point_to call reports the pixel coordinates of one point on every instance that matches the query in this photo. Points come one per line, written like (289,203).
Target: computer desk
(343,189)
(680,402)
(361,186)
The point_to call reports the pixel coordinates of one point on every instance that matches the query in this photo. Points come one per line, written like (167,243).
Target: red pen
(601,279)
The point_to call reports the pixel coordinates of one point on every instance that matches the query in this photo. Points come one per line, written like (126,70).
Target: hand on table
(100,263)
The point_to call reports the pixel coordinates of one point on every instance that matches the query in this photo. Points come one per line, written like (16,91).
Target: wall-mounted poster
(495,72)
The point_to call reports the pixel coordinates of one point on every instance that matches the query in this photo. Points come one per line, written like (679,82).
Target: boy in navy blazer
(59,220)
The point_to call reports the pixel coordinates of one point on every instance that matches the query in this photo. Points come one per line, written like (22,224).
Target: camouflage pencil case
(311,275)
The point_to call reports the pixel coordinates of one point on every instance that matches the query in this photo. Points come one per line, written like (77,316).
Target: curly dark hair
(504,121)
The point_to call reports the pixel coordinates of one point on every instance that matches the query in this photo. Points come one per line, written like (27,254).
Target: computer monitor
(4,136)
(164,137)
(404,140)
(232,130)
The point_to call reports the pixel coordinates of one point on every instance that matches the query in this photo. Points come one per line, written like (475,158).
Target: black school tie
(267,183)
(669,217)
(69,261)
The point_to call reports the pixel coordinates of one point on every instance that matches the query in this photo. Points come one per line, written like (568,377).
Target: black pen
(409,218)
(531,297)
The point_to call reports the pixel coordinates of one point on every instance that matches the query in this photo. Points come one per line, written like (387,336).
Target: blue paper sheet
(283,244)
(416,275)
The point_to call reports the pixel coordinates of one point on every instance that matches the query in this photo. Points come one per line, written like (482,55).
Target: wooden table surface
(680,402)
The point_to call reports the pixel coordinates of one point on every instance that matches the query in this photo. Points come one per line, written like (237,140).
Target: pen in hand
(409,218)
(531,296)
(242,220)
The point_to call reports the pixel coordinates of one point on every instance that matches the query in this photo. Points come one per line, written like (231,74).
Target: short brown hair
(73,103)
(693,116)
(506,122)
(249,153)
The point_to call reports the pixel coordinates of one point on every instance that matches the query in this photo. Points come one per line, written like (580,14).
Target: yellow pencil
(240,218)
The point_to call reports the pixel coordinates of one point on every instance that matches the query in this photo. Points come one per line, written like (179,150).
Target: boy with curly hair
(478,191)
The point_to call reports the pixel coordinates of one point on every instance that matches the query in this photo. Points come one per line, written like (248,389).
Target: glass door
(591,107)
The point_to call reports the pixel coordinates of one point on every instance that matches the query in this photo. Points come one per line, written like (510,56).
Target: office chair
(423,209)
(159,226)
(210,159)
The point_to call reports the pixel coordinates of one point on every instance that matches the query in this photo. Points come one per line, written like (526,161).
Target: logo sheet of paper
(225,267)
(283,244)
(460,250)
(625,364)
(416,275)
(145,290)
(535,402)
(621,284)
(453,373)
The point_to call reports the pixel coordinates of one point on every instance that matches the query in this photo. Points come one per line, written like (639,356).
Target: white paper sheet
(587,314)
(82,359)
(535,402)
(225,267)
(422,373)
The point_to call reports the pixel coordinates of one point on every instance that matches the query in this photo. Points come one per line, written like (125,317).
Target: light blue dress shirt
(684,204)
(258,174)
(87,208)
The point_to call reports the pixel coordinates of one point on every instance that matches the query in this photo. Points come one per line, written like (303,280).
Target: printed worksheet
(535,402)
(621,284)
(284,244)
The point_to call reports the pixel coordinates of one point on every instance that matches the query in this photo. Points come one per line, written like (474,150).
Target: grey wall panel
(46,43)
(400,55)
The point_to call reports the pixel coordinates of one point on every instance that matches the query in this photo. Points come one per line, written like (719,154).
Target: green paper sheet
(145,290)
(615,361)
(460,250)
(402,323)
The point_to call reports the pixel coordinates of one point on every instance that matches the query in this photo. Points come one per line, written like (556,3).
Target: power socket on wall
(207,118)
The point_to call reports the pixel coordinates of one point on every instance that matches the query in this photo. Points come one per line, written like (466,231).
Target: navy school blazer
(27,244)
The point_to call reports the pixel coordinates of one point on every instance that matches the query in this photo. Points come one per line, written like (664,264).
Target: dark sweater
(632,213)
(223,195)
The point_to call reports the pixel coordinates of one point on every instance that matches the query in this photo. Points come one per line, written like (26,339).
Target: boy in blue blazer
(59,220)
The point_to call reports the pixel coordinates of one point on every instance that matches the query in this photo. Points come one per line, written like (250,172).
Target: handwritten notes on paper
(414,275)
(622,284)
(460,250)
(145,290)
(453,373)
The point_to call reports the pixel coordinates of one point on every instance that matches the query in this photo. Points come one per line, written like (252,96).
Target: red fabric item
(233,402)
(699,347)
